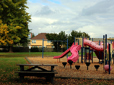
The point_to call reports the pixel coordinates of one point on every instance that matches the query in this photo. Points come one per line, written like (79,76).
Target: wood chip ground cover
(67,76)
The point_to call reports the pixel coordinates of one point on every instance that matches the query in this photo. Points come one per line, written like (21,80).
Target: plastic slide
(74,50)
(98,48)
(93,45)
(63,54)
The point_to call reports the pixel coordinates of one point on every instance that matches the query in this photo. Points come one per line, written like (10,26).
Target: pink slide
(63,54)
(98,48)
(93,45)
(74,50)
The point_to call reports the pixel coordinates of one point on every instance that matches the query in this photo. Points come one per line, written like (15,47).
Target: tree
(4,37)
(76,34)
(54,36)
(13,15)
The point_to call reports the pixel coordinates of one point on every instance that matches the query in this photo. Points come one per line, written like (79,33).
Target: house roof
(40,36)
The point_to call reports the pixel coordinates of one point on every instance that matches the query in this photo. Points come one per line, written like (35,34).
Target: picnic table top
(37,65)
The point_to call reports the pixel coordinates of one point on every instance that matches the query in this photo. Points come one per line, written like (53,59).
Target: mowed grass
(8,68)
(23,54)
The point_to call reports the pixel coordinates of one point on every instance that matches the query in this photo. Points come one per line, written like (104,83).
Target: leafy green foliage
(56,37)
(64,37)
(76,34)
(13,15)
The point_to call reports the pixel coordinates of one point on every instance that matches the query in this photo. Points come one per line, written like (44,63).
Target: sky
(95,17)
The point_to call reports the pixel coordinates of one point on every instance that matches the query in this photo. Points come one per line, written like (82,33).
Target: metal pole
(99,51)
(92,52)
(67,47)
(78,51)
(42,47)
(106,49)
(89,53)
(109,58)
(82,51)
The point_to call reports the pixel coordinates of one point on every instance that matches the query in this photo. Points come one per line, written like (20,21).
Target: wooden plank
(36,72)
(36,65)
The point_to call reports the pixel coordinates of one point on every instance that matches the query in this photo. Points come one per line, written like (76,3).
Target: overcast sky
(95,17)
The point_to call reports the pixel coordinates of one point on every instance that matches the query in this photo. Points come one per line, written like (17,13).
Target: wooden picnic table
(40,72)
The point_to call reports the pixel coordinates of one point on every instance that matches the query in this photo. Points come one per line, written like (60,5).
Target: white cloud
(94,17)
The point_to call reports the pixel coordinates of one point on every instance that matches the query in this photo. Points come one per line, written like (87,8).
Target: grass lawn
(8,68)
(22,54)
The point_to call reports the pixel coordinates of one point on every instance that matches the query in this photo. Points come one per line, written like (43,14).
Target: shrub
(34,49)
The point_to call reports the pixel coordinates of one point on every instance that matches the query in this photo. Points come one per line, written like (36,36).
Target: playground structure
(103,51)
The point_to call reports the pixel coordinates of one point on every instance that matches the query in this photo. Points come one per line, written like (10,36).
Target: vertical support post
(109,58)
(106,49)
(67,47)
(43,48)
(85,55)
(103,48)
(89,53)
(99,51)
(78,51)
(92,52)
(82,51)
(92,56)
(92,39)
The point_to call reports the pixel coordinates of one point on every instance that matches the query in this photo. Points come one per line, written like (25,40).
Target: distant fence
(26,49)
(36,49)
(14,49)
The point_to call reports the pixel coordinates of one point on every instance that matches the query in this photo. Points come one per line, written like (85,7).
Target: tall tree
(76,34)
(54,36)
(13,14)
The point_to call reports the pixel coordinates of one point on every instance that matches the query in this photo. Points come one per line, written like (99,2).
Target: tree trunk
(10,50)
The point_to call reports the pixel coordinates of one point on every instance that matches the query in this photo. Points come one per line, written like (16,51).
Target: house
(37,41)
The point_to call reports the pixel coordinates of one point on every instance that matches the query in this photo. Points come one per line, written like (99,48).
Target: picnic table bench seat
(48,74)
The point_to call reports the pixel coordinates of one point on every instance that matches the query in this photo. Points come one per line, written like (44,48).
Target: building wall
(38,43)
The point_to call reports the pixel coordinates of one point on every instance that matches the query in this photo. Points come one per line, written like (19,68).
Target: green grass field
(23,54)
(8,68)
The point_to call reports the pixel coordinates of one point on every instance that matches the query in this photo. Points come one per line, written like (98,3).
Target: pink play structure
(75,48)
(63,54)
(106,67)
(93,45)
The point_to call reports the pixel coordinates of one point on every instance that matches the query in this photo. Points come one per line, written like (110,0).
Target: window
(33,41)
(48,41)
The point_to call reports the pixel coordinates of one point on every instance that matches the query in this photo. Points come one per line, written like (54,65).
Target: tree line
(63,36)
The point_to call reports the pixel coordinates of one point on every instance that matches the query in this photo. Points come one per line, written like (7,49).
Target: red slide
(93,45)
(98,48)
(63,54)
(74,50)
